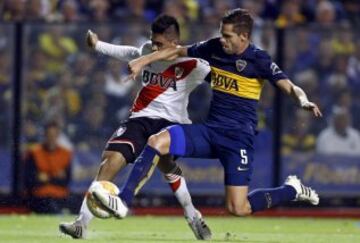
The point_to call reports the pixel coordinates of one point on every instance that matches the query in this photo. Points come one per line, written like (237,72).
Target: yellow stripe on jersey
(234,84)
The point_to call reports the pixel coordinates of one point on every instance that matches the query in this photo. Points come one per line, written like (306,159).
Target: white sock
(85,216)
(178,186)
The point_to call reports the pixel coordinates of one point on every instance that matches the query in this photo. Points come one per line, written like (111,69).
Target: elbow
(286,86)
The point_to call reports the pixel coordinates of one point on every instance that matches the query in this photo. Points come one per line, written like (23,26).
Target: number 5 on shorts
(244,158)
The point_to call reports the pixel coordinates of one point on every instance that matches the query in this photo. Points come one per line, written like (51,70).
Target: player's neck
(242,48)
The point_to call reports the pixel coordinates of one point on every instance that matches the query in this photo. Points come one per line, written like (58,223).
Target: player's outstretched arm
(136,65)
(121,52)
(299,95)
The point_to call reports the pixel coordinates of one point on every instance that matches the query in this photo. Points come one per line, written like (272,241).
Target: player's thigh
(190,140)
(236,156)
(126,140)
(113,157)
(131,136)
(160,141)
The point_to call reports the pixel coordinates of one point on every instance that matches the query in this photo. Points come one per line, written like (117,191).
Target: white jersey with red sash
(166,84)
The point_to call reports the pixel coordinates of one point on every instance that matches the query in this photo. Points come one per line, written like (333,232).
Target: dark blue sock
(142,166)
(261,199)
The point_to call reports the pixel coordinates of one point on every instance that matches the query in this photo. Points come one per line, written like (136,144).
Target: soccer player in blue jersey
(238,71)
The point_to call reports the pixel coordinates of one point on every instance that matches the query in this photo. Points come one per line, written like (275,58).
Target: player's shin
(85,216)
(261,199)
(141,171)
(193,217)
(178,186)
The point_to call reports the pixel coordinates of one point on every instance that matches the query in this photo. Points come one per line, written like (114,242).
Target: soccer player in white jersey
(161,102)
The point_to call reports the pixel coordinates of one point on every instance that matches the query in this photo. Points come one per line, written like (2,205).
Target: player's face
(232,43)
(159,42)
(51,136)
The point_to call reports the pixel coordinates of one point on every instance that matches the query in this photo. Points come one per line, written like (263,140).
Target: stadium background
(47,72)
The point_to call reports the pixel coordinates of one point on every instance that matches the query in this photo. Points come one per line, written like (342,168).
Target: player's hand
(135,66)
(91,39)
(43,177)
(61,174)
(310,106)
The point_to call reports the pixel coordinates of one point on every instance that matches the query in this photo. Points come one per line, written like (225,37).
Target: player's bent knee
(238,210)
(154,141)
(160,142)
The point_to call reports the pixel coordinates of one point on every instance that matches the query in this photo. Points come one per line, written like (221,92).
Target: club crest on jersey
(240,65)
(179,71)
(120,131)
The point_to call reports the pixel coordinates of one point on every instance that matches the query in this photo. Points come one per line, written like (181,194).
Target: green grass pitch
(174,229)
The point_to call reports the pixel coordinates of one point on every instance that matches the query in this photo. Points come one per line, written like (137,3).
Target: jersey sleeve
(145,48)
(200,50)
(201,71)
(267,69)
(121,52)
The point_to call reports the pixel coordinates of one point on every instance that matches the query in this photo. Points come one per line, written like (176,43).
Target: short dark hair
(52,124)
(166,24)
(241,19)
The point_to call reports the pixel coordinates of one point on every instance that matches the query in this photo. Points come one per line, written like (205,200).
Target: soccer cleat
(111,202)
(303,193)
(199,227)
(74,229)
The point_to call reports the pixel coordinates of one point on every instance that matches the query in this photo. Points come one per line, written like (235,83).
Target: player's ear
(244,36)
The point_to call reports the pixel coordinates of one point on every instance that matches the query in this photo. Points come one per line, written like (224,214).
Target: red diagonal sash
(150,92)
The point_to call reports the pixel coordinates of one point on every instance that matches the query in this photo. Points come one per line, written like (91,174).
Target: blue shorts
(234,148)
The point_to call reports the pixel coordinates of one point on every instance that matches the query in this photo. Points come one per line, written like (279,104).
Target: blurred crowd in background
(63,80)
(282,12)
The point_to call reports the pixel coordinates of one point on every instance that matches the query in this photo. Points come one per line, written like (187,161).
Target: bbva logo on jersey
(158,79)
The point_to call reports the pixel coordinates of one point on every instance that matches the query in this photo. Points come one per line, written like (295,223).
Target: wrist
(303,101)
(94,44)
(97,45)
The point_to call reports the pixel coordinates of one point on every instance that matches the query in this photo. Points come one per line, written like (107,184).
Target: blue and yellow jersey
(236,81)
